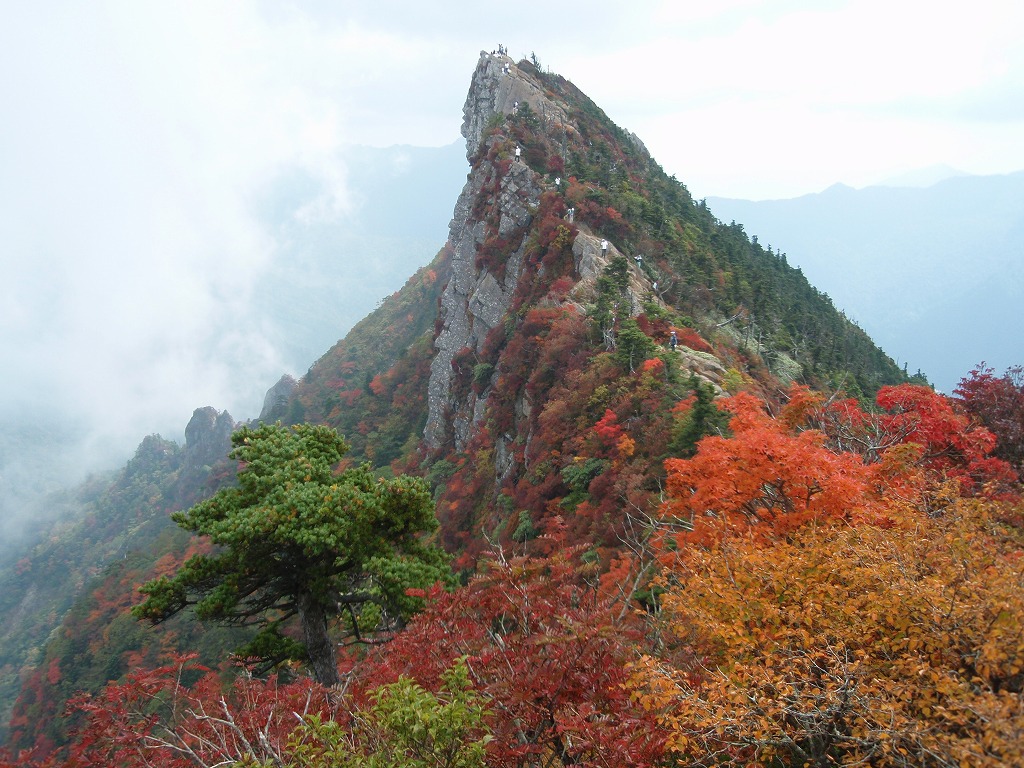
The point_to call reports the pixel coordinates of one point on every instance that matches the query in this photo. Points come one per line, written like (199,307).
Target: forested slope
(529,374)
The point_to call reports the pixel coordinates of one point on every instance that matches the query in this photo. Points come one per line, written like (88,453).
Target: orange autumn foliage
(765,475)
(655,366)
(898,645)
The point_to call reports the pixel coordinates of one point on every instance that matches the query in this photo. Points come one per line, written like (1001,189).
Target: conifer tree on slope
(294,539)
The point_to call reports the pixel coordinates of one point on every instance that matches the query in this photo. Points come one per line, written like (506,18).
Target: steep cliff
(497,204)
(495,212)
(571,259)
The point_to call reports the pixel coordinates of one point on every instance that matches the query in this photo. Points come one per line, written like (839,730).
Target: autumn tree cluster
(849,590)
(997,402)
(830,585)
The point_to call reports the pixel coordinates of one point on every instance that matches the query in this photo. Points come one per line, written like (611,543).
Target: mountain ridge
(529,282)
(528,371)
(932,273)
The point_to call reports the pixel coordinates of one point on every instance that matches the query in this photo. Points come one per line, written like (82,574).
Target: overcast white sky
(135,137)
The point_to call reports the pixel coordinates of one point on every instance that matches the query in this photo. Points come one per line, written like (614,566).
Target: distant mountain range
(935,275)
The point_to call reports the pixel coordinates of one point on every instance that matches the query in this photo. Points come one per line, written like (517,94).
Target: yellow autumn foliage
(894,645)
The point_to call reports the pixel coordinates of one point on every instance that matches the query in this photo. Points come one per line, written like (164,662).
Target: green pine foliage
(703,418)
(294,540)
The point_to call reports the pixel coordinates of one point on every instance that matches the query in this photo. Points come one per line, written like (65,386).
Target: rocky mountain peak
(506,109)
(207,437)
(499,87)
(275,404)
(581,296)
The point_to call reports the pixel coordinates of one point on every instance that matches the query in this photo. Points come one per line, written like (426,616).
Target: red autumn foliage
(550,653)
(653,367)
(377,385)
(997,403)
(608,429)
(657,328)
(763,477)
(690,338)
(154,717)
(949,446)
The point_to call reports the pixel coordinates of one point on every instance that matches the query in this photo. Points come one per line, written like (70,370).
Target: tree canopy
(294,538)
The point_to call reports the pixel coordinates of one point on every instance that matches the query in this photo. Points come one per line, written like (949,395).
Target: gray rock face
(275,404)
(704,366)
(477,298)
(493,91)
(497,202)
(590,263)
(207,437)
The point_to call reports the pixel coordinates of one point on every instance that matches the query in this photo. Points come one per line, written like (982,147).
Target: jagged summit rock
(499,86)
(477,298)
(207,437)
(495,211)
(275,404)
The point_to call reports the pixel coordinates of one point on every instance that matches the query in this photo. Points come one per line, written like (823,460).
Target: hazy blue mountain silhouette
(333,270)
(934,275)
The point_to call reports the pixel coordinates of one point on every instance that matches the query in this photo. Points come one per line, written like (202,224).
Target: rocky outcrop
(706,367)
(494,212)
(499,86)
(498,202)
(207,437)
(591,259)
(275,404)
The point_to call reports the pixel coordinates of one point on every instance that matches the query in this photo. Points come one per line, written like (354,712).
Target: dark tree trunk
(318,642)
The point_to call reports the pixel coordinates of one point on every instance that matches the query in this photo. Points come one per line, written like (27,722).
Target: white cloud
(134,144)
(770,99)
